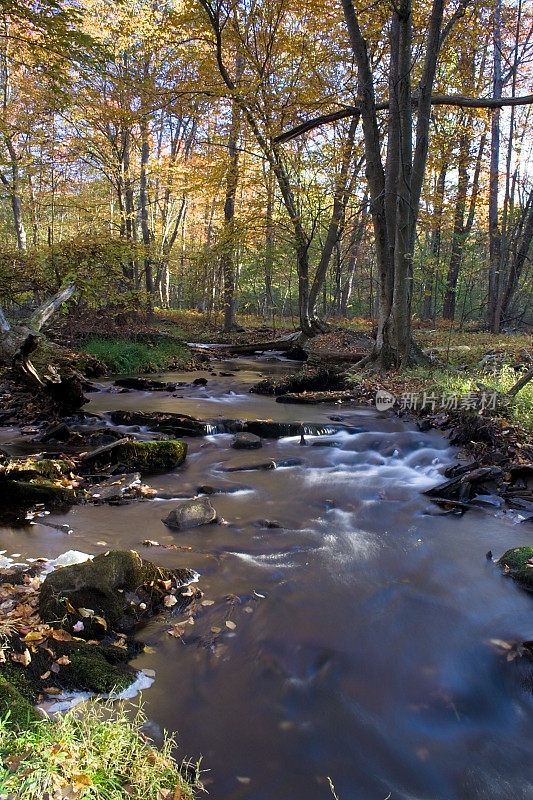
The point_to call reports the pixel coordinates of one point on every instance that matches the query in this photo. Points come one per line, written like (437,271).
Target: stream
(358,640)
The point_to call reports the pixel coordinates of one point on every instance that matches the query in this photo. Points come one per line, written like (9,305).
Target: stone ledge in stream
(184,425)
(169,423)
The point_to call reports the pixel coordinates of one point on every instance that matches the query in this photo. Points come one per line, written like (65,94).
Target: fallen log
(287,344)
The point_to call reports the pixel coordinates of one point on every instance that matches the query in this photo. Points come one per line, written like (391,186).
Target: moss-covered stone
(104,586)
(32,468)
(21,712)
(519,561)
(94,673)
(24,494)
(25,482)
(87,667)
(147,457)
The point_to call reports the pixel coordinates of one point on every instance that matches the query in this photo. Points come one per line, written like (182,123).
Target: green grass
(98,753)
(129,357)
(518,412)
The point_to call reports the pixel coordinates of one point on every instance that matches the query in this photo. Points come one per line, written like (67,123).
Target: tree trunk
(495,244)
(394,343)
(269,243)
(436,235)
(518,260)
(228,234)
(143,204)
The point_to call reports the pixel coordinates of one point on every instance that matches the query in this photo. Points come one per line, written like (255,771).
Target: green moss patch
(15,708)
(147,457)
(518,563)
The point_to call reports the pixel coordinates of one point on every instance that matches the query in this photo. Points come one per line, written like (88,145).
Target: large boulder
(191,514)
(518,563)
(114,590)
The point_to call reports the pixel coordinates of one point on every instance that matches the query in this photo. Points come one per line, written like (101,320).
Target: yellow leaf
(33,636)
(79,781)
(101,621)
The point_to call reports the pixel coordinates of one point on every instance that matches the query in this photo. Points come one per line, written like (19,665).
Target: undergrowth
(519,411)
(99,753)
(129,357)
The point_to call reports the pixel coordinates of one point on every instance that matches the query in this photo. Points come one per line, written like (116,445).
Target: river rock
(112,591)
(518,563)
(191,514)
(246,441)
(146,457)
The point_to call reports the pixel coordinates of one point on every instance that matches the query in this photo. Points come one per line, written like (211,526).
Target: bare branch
(437,100)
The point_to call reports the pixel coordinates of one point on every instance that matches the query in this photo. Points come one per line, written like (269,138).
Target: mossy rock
(33,469)
(157,456)
(24,494)
(517,560)
(90,667)
(26,482)
(111,585)
(21,712)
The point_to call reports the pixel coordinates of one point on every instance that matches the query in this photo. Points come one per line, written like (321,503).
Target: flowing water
(360,647)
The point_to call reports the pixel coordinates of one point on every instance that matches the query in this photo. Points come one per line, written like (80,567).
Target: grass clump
(99,753)
(126,357)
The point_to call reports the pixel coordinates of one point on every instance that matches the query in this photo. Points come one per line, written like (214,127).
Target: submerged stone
(246,441)
(191,514)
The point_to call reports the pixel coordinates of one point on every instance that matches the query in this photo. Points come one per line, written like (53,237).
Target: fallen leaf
(208,602)
(45,675)
(61,636)
(34,636)
(63,661)
(176,631)
(70,607)
(79,781)
(22,658)
(169,601)
(231,625)
(86,612)
(52,690)
(101,621)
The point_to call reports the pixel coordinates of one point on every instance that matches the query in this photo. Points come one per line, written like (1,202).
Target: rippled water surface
(360,648)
